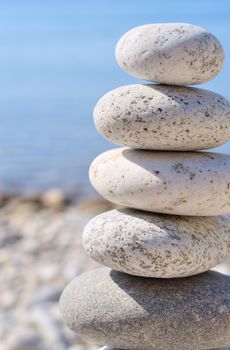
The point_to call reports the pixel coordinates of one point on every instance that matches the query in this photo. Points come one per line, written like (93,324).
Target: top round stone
(170,53)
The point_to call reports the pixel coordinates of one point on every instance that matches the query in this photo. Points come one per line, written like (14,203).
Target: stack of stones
(155,291)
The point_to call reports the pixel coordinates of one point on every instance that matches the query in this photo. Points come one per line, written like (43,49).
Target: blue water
(56,61)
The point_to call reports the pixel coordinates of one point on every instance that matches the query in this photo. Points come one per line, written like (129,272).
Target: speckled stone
(156,245)
(130,312)
(170,53)
(161,117)
(179,183)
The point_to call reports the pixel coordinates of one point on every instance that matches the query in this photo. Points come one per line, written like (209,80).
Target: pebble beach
(40,252)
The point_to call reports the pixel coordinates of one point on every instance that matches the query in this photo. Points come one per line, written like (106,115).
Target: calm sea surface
(56,61)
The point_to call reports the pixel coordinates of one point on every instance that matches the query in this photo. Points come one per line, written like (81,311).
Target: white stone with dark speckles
(170,53)
(179,183)
(156,245)
(161,117)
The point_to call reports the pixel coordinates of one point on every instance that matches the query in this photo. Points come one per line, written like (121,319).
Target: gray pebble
(170,53)
(155,245)
(161,117)
(109,348)
(129,312)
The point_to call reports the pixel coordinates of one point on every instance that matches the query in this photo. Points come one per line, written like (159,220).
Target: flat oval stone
(130,312)
(179,183)
(156,245)
(161,117)
(170,53)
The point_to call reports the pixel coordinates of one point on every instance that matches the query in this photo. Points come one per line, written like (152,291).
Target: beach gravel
(40,252)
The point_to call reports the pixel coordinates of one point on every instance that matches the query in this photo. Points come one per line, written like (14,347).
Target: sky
(56,60)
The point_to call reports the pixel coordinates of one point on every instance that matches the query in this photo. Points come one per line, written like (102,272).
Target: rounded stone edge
(103,253)
(117,130)
(123,68)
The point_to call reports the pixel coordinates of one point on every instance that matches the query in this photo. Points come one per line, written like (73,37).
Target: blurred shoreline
(54,198)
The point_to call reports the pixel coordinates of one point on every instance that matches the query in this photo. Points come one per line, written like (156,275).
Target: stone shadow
(202,294)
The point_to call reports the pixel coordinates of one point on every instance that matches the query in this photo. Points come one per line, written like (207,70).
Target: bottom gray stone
(130,312)
(108,348)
